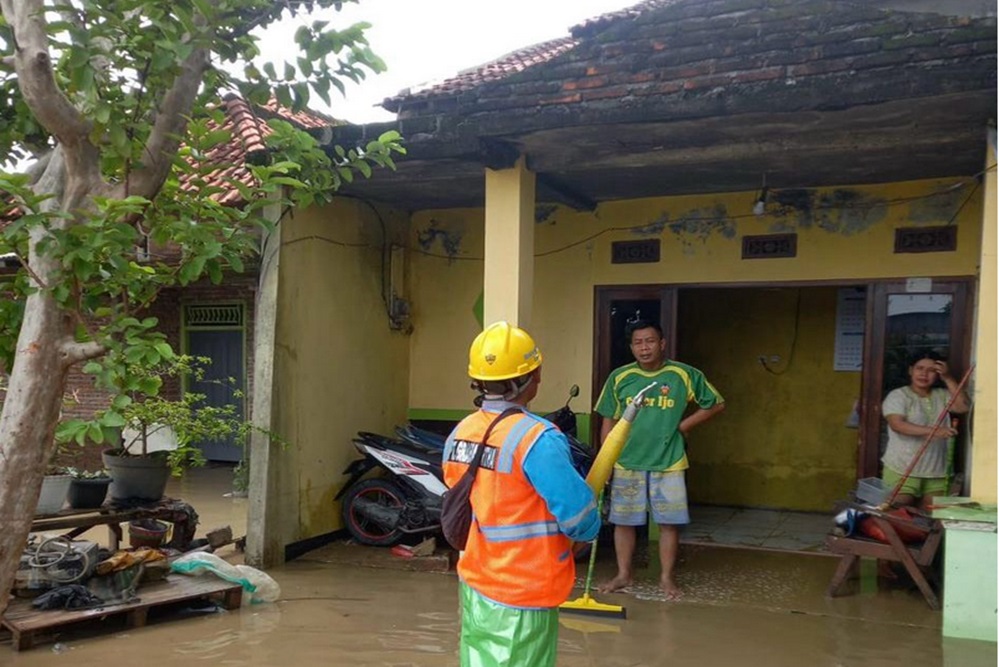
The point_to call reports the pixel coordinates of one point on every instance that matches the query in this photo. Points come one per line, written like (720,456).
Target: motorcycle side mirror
(574,391)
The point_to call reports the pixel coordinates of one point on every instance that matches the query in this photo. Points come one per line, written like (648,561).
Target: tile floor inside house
(779,530)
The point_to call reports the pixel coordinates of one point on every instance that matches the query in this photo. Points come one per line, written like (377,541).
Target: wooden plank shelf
(177,512)
(26,624)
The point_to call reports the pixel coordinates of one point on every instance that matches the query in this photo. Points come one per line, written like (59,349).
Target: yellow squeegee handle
(611,448)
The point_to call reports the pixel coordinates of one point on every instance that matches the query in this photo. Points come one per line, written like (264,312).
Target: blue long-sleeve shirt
(550,470)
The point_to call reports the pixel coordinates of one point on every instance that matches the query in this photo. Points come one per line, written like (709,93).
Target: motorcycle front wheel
(360,524)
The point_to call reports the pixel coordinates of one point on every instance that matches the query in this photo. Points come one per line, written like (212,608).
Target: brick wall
(83,399)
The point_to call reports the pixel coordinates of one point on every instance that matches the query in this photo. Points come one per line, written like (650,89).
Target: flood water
(741,608)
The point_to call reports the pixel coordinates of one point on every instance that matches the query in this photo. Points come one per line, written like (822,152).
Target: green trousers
(497,636)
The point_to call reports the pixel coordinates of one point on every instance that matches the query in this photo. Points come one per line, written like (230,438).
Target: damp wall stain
(543,212)
(694,225)
(450,241)
(938,209)
(842,211)
(848,212)
(654,228)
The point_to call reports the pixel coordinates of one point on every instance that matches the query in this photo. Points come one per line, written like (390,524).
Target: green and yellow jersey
(655,443)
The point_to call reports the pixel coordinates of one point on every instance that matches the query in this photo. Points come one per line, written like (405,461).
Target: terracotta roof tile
(249,131)
(686,49)
(495,70)
(306,119)
(597,23)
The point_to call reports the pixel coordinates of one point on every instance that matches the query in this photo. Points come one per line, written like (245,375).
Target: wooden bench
(177,512)
(25,623)
(917,559)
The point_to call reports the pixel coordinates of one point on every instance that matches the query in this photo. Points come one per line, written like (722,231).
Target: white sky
(428,40)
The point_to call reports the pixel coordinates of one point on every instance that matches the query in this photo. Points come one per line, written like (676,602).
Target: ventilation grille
(926,239)
(635,252)
(226,315)
(770,246)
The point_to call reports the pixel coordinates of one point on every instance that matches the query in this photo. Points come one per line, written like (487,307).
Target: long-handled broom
(597,478)
(585,604)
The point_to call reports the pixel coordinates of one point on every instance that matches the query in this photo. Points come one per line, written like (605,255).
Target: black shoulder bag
(456,505)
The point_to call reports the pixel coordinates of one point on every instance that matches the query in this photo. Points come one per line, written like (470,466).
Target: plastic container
(871,490)
(146,533)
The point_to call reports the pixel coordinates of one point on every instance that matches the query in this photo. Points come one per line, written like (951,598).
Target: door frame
(187,328)
(873,372)
(603,296)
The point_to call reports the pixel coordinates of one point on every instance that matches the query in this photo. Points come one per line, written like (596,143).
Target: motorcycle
(382,511)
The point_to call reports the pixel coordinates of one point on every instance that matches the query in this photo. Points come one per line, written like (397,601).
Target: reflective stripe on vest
(516,554)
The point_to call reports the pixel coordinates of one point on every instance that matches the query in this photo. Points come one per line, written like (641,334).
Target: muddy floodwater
(752,608)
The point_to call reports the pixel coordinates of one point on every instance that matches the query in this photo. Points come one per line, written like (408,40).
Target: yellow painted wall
(984,438)
(782,441)
(843,233)
(338,367)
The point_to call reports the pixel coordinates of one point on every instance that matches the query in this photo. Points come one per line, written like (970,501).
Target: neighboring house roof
(249,131)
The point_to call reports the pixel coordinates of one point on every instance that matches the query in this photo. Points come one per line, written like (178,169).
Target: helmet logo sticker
(490,358)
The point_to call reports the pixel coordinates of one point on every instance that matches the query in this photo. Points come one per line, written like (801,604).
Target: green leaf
(95,433)
(150,385)
(112,419)
(165,350)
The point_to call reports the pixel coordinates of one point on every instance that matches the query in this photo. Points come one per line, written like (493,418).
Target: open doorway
(801,367)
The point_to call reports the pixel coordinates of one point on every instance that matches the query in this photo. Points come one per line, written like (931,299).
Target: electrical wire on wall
(778,215)
(795,338)
(383,251)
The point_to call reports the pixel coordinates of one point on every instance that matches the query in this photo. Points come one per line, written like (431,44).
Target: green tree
(119,102)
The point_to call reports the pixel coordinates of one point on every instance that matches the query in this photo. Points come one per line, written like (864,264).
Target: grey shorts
(633,491)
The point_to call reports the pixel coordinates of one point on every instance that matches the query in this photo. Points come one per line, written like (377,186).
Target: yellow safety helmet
(503,352)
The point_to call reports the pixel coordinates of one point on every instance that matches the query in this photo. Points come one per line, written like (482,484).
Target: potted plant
(139,466)
(87,489)
(55,486)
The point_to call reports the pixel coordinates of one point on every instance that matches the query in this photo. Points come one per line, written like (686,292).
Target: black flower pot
(88,493)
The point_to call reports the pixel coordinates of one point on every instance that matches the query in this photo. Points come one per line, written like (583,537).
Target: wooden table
(177,512)
(917,559)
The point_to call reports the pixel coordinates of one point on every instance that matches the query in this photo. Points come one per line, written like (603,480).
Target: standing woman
(911,412)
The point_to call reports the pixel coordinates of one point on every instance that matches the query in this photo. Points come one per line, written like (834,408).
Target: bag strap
(477,459)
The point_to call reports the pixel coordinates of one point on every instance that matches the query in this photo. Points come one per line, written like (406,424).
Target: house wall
(843,234)
(984,437)
(338,367)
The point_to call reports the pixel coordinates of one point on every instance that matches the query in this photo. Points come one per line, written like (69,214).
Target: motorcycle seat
(421,437)
(430,455)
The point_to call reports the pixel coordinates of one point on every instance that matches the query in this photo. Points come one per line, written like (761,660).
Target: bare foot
(670,589)
(619,583)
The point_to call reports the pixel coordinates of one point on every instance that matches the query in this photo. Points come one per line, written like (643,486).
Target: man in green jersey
(650,471)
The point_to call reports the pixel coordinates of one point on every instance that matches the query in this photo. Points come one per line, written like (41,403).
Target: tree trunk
(33,403)
(27,429)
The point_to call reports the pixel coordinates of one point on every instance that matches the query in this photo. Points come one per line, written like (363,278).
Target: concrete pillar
(264,547)
(983,485)
(508,275)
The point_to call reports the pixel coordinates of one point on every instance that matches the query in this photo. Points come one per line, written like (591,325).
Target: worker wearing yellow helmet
(529,506)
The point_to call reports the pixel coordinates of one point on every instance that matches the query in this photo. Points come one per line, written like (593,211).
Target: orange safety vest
(515,554)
